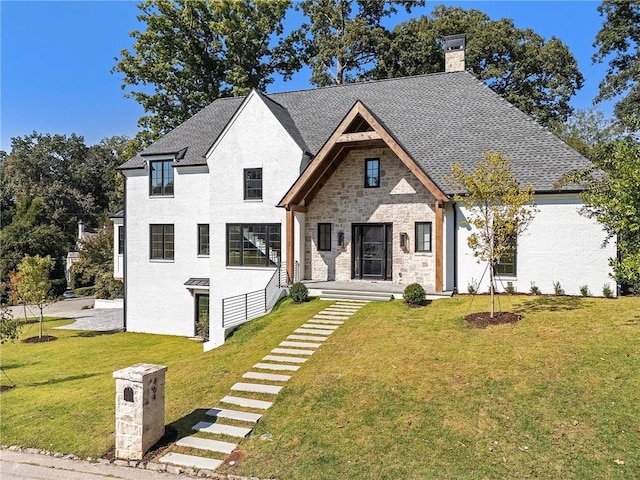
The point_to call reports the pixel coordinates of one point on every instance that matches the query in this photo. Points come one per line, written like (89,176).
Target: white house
(345,183)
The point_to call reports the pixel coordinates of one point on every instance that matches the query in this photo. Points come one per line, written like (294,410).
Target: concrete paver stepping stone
(313,331)
(246,402)
(256,388)
(322,327)
(325,322)
(306,337)
(234,415)
(345,308)
(330,317)
(276,366)
(191,461)
(300,344)
(221,429)
(293,351)
(206,444)
(335,311)
(279,358)
(267,376)
(352,303)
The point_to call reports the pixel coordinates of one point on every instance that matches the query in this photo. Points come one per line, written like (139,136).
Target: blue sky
(56,59)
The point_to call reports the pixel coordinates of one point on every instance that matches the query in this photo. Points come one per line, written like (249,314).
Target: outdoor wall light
(341,239)
(404,241)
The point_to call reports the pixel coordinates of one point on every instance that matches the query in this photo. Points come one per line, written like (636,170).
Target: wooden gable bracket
(328,159)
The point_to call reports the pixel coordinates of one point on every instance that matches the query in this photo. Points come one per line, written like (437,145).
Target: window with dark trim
(253,244)
(253,184)
(324,237)
(203,239)
(371,173)
(161,177)
(423,236)
(162,242)
(120,239)
(507,262)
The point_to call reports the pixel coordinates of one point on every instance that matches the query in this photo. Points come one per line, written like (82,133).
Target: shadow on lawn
(53,381)
(96,333)
(551,304)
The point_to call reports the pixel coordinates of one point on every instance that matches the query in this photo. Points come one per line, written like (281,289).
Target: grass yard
(394,393)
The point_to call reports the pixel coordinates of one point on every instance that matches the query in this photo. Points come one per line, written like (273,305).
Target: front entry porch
(363,290)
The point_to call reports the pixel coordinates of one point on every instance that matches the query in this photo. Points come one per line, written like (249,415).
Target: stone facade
(401,200)
(139,409)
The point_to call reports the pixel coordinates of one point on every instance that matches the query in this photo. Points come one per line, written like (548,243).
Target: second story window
(372,173)
(203,239)
(161,178)
(253,184)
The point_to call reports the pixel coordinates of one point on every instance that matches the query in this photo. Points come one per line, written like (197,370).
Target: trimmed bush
(584,291)
(607,291)
(84,291)
(535,290)
(414,294)
(299,293)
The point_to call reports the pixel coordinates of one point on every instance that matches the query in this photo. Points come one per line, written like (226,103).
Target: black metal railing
(242,308)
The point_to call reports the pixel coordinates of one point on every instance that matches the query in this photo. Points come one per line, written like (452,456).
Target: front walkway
(237,413)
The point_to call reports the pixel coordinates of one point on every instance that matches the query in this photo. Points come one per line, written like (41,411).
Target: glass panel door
(371,252)
(202,315)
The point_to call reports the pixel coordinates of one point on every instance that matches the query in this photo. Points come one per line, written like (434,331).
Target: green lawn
(394,393)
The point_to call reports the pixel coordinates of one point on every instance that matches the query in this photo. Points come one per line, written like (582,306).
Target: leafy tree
(499,210)
(613,198)
(585,130)
(194,51)
(341,38)
(536,75)
(619,41)
(32,286)
(95,265)
(9,326)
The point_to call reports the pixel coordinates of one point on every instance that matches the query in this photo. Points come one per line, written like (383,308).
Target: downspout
(124,263)
(455,248)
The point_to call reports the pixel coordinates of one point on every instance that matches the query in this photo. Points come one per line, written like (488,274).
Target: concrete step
(206,444)
(292,351)
(221,429)
(350,303)
(334,311)
(278,358)
(191,461)
(300,344)
(234,415)
(256,388)
(313,331)
(321,327)
(267,376)
(345,308)
(311,338)
(246,402)
(358,295)
(276,367)
(324,316)
(325,322)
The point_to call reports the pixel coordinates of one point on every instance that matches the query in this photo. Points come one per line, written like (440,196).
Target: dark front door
(202,315)
(371,251)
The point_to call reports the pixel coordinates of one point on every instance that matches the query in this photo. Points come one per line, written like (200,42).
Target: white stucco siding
(253,139)
(157,300)
(560,245)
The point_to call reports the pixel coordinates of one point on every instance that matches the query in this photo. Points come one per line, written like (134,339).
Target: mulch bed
(44,338)
(483,319)
(6,387)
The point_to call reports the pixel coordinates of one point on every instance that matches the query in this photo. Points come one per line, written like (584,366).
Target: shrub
(299,293)
(607,291)
(58,286)
(584,291)
(84,291)
(414,294)
(510,288)
(472,287)
(557,289)
(108,287)
(534,289)
(202,330)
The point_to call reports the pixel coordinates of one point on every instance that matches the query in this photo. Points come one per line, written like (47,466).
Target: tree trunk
(491,290)
(41,320)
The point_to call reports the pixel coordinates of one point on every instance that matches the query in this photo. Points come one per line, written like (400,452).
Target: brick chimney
(454,52)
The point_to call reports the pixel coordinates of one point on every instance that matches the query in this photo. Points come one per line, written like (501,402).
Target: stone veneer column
(139,409)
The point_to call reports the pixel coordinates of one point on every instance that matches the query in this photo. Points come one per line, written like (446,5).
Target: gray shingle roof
(439,119)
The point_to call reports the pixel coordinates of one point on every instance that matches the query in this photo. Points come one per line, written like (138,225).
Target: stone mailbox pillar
(139,409)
